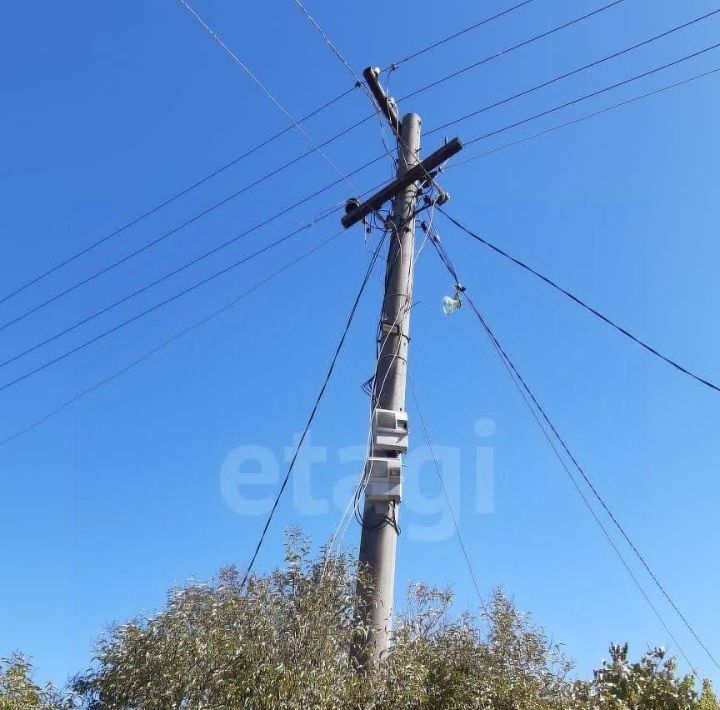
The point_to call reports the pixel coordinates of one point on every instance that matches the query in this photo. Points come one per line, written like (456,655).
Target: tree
(708,700)
(648,684)
(18,691)
(283,642)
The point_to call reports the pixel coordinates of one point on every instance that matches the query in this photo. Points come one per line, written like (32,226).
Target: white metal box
(390,431)
(384,479)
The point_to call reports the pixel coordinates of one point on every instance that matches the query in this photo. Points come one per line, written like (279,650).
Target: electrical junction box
(390,431)
(384,479)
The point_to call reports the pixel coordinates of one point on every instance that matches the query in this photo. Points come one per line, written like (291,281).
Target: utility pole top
(355,211)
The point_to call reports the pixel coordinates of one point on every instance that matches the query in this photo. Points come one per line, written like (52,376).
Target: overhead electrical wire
(165,235)
(442,252)
(323,215)
(201,257)
(580,302)
(174,197)
(158,281)
(584,67)
(295,124)
(603,528)
(234,161)
(165,343)
(313,411)
(147,311)
(510,49)
(358,80)
(575,101)
(585,117)
(329,42)
(455,35)
(438,473)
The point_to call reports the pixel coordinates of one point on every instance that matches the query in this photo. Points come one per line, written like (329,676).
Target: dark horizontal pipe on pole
(417,172)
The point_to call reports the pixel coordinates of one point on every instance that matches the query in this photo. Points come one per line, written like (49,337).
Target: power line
(314,409)
(330,44)
(510,49)
(343,60)
(201,257)
(455,35)
(165,343)
(583,304)
(501,354)
(444,490)
(583,68)
(203,282)
(174,197)
(592,487)
(448,263)
(234,161)
(263,88)
(147,311)
(578,100)
(153,210)
(181,193)
(158,281)
(165,235)
(586,117)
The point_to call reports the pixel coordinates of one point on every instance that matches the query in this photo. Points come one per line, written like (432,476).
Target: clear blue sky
(111,107)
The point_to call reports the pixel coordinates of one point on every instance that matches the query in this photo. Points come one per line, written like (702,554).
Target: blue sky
(112,107)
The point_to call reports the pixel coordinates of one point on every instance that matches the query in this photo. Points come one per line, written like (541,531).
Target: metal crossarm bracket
(417,172)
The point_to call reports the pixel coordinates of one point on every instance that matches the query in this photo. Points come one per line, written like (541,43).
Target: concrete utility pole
(380,517)
(389,436)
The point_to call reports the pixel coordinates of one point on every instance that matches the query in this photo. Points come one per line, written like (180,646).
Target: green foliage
(648,684)
(284,641)
(18,691)
(708,700)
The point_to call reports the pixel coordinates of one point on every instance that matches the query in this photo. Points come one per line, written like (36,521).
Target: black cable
(180,334)
(437,44)
(171,199)
(591,95)
(586,117)
(513,48)
(314,410)
(588,505)
(147,311)
(448,263)
(583,68)
(649,348)
(590,484)
(190,221)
